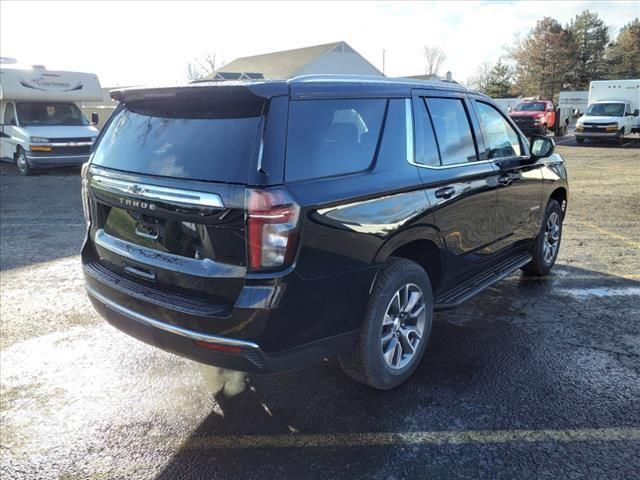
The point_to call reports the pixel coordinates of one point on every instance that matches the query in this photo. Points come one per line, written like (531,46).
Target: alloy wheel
(403,326)
(551,238)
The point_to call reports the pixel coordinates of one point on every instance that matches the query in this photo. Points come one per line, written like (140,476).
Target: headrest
(342,132)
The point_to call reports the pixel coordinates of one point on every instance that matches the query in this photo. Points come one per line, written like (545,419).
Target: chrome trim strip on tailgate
(176,263)
(203,337)
(153,192)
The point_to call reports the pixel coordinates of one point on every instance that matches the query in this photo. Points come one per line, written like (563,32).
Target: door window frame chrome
(410,128)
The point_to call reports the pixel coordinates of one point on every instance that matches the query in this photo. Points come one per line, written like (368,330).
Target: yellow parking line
(628,241)
(569,277)
(346,440)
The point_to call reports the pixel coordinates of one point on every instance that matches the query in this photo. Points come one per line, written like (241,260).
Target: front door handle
(505,179)
(446,192)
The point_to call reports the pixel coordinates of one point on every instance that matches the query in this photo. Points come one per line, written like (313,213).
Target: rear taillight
(272,228)
(85,193)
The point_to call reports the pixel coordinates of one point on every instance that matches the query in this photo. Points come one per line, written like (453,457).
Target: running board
(461,293)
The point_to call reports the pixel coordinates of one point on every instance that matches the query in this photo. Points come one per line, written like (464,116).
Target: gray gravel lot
(535,378)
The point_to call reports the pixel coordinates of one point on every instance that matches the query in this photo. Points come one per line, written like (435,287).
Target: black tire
(22,163)
(542,263)
(366,363)
(579,140)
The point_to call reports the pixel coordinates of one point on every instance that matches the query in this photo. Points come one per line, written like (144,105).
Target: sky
(133,43)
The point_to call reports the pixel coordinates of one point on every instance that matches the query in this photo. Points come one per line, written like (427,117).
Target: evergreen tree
(623,55)
(499,81)
(544,59)
(591,37)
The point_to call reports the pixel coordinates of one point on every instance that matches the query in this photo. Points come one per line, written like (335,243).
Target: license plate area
(163,234)
(147,228)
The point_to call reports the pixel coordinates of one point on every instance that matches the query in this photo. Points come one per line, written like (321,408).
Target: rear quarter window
(332,137)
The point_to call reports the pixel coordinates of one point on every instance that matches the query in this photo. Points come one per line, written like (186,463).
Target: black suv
(257,225)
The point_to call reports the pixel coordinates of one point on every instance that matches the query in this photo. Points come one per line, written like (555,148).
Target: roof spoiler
(201,91)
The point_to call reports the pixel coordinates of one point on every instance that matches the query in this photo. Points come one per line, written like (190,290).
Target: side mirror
(94,118)
(636,113)
(541,147)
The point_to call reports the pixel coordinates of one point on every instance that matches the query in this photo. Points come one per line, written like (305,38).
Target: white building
(331,58)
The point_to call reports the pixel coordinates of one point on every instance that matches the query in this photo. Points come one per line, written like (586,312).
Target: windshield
(606,110)
(50,114)
(531,107)
(215,141)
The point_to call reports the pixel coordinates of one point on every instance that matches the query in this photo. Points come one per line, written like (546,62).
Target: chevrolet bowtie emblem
(136,189)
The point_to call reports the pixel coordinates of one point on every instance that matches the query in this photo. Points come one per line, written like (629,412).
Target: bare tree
(433,58)
(193,72)
(480,77)
(199,68)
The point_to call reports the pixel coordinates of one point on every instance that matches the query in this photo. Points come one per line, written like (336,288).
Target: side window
(9,114)
(426,146)
(501,141)
(453,131)
(332,137)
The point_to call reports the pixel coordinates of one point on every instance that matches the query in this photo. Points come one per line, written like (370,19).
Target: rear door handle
(446,192)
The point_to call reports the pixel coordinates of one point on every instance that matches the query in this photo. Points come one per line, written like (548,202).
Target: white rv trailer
(613,110)
(41,124)
(572,105)
(573,102)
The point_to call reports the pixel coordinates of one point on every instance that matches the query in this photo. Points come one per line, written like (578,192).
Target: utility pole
(384,55)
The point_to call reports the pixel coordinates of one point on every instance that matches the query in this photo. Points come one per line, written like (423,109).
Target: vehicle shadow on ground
(628,143)
(508,359)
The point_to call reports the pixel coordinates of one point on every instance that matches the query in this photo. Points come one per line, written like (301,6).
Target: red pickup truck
(535,117)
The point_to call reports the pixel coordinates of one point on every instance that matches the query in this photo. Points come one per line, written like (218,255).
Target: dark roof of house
(299,87)
(283,64)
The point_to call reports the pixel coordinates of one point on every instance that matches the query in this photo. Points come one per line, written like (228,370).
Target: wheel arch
(560,196)
(421,245)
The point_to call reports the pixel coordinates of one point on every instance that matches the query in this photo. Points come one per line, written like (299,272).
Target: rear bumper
(225,352)
(53,161)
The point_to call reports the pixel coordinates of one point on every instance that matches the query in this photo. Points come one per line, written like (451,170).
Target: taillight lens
(85,193)
(272,227)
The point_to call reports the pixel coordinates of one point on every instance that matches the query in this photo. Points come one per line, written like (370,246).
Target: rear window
(332,137)
(211,141)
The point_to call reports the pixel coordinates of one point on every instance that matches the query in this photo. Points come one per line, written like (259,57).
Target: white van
(41,124)
(612,111)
